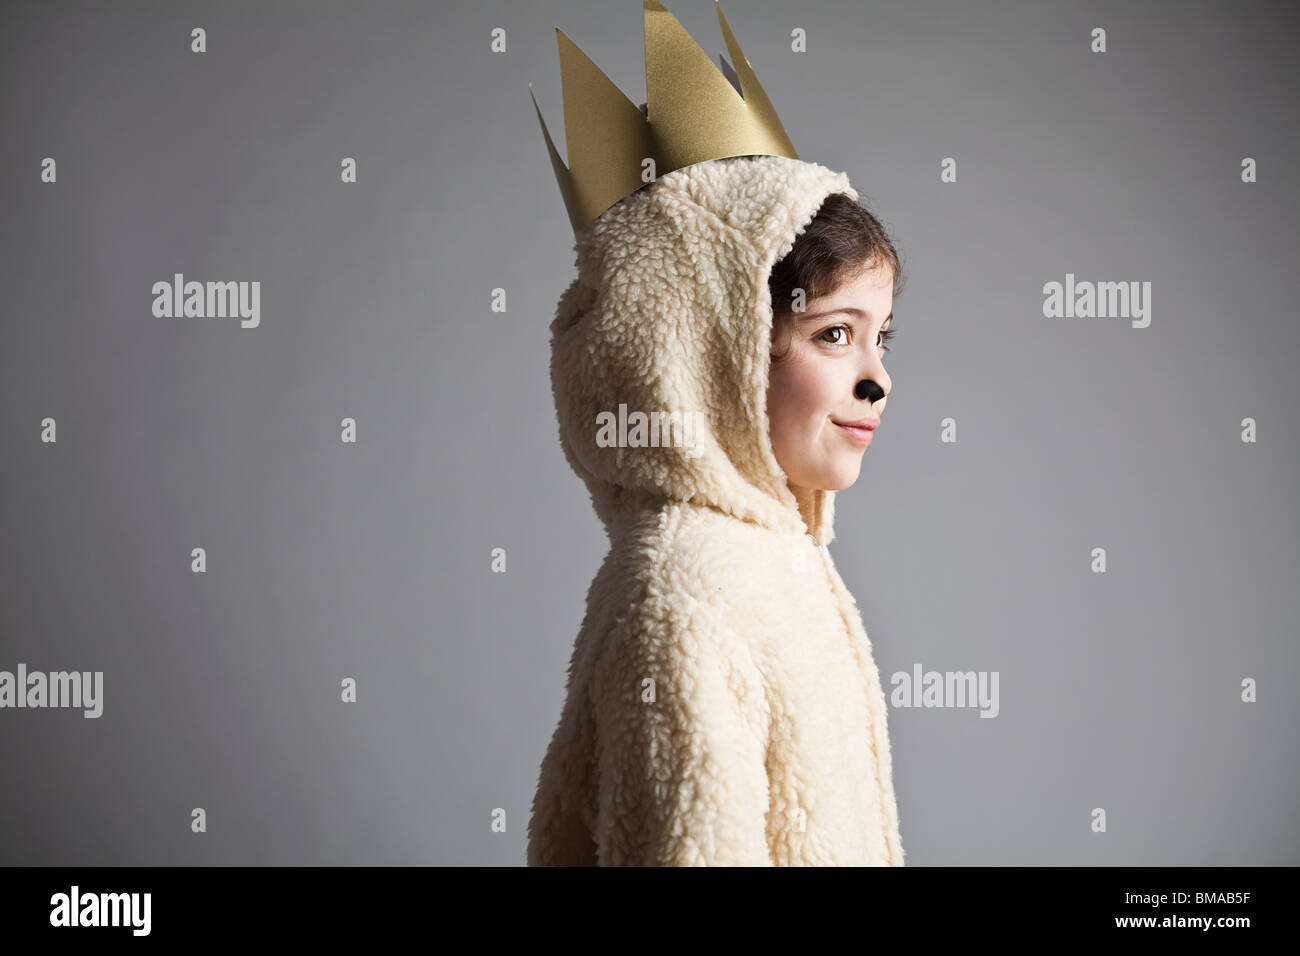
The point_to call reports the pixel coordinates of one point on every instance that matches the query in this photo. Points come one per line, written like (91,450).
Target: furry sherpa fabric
(723,706)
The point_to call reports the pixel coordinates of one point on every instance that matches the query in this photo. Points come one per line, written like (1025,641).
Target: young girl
(723,706)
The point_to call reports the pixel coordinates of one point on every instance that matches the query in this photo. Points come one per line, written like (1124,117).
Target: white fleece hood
(670,313)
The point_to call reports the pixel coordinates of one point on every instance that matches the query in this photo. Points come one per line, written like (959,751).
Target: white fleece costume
(723,706)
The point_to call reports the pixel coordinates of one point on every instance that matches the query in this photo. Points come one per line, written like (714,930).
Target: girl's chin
(835,478)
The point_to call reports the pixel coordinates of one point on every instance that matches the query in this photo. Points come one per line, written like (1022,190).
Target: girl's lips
(860,435)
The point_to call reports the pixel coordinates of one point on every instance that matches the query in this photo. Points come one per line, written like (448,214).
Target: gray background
(326,560)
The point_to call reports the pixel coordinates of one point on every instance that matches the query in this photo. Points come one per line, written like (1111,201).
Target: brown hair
(842,241)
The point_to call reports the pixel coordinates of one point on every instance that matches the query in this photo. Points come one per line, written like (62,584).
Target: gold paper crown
(693,114)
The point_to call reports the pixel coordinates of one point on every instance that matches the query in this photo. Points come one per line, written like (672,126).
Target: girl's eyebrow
(809,316)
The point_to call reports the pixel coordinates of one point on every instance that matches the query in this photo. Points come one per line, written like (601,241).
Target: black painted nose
(868,389)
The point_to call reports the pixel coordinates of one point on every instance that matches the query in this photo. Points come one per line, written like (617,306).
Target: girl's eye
(883,336)
(836,328)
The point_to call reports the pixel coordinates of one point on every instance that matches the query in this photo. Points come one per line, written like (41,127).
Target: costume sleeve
(681,749)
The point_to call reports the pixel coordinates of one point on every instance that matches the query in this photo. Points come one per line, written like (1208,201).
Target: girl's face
(835,343)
